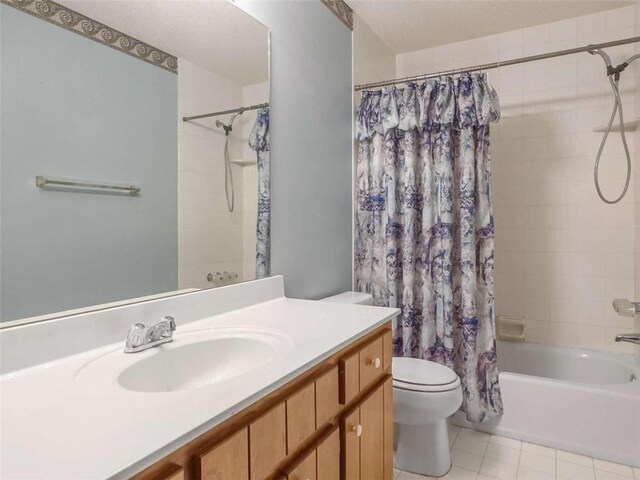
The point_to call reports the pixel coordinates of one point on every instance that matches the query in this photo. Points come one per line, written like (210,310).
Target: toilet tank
(350,297)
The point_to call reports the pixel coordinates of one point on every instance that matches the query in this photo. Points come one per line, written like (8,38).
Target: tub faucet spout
(629,337)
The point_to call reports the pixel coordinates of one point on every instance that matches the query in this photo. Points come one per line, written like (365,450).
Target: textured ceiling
(407,25)
(214,34)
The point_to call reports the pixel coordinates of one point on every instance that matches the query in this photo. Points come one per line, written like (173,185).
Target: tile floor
(480,456)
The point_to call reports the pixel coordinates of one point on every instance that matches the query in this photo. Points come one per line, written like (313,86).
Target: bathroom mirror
(117,182)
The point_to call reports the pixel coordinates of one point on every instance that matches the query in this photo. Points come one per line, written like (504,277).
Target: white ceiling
(407,25)
(214,34)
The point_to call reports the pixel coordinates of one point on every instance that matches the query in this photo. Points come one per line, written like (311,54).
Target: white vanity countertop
(55,426)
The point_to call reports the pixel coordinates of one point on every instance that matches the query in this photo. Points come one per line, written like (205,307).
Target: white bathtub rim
(628,388)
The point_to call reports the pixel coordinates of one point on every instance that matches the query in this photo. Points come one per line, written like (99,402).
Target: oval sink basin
(196,364)
(194,359)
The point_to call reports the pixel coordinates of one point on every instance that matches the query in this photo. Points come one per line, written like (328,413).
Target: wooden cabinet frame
(186,459)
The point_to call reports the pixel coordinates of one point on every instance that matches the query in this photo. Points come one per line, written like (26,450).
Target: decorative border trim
(341,10)
(75,22)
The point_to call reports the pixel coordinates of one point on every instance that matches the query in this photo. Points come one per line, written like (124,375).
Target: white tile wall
(561,254)
(209,236)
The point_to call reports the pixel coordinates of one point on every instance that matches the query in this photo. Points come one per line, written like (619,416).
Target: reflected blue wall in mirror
(99,115)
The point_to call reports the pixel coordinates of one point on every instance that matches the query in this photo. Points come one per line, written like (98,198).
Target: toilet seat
(419,375)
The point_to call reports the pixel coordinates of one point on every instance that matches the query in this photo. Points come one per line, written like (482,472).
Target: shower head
(229,128)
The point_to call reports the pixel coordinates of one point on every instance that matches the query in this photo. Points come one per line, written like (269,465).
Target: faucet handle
(136,336)
(172,322)
(625,308)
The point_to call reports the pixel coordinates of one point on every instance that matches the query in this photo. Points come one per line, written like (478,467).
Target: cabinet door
(372,438)
(228,460)
(388,429)
(326,397)
(268,442)
(301,416)
(350,430)
(306,470)
(328,455)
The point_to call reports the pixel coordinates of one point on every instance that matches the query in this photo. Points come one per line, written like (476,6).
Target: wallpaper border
(341,10)
(75,22)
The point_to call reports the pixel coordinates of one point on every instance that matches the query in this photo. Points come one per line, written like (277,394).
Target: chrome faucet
(141,338)
(629,337)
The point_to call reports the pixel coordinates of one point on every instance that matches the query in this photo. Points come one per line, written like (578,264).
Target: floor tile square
(617,468)
(503,454)
(575,458)
(573,471)
(465,432)
(539,449)
(499,470)
(505,441)
(471,445)
(537,462)
(528,474)
(467,460)
(457,473)
(604,475)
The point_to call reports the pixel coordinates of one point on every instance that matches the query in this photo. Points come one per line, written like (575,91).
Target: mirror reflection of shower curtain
(259,141)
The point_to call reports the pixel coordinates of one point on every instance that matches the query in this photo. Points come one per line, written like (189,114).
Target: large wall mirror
(119,177)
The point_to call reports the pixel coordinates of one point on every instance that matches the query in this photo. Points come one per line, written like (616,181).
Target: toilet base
(423,449)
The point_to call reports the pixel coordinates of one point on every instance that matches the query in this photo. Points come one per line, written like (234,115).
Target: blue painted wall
(71,107)
(311,145)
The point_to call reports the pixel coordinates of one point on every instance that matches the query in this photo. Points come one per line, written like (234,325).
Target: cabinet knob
(357,429)
(376,362)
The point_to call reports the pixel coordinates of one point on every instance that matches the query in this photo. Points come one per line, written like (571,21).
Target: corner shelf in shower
(243,163)
(630,126)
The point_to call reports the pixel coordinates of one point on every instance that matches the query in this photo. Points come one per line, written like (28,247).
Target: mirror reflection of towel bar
(43,182)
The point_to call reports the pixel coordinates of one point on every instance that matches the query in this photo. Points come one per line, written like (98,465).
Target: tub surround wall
(562,255)
(210,237)
(373,59)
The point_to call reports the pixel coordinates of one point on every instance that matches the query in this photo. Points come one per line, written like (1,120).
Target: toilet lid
(422,375)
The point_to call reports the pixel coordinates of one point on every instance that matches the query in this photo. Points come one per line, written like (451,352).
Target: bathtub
(584,401)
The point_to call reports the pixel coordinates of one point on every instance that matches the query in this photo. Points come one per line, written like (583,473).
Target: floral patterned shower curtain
(259,141)
(424,225)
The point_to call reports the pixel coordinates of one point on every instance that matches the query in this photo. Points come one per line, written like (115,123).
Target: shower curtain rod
(224,112)
(489,66)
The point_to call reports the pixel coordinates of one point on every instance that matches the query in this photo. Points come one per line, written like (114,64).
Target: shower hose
(614,78)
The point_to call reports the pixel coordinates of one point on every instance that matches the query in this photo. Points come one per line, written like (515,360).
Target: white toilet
(424,395)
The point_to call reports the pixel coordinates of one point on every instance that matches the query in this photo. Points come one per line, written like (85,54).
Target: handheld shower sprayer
(613,73)
(229,189)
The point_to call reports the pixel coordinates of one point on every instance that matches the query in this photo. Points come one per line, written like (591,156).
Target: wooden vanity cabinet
(333,422)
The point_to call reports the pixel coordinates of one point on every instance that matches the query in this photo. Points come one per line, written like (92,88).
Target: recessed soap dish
(511,329)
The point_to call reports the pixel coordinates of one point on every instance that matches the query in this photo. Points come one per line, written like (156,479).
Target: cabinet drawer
(387,354)
(268,442)
(228,460)
(371,368)
(326,397)
(301,416)
(363,368)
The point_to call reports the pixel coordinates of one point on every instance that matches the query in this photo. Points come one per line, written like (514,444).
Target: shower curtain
(424,225)
(259,141)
